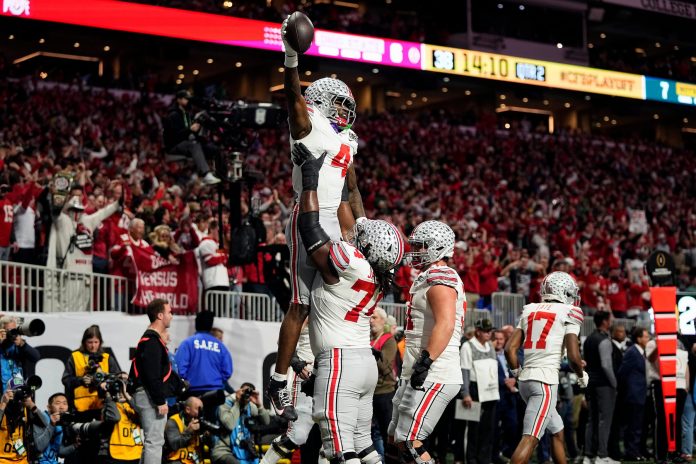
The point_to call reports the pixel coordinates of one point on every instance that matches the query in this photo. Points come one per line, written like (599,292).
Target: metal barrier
(36,289)
(29,288)
(239,305)
(507,308)
(398,310)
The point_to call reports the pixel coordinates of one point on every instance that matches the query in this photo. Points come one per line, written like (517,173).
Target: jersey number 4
(369,288)
(540,343)
(342,159)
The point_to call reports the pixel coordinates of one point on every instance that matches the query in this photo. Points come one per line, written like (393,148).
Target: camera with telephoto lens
(34,328)
(114,384)
(207,426)
(246,394)
(21,392)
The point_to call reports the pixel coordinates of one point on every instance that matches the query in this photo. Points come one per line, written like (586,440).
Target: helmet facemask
(334,100)
(342,112)
(420,253)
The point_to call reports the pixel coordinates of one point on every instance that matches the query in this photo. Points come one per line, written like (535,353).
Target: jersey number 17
(536,318)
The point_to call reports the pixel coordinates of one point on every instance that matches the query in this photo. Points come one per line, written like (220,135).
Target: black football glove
(307,386)
(377,354)
(310,165)
(420,370)
(297,364)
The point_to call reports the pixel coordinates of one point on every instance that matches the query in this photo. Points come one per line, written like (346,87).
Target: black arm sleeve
(313,236)
(149,360)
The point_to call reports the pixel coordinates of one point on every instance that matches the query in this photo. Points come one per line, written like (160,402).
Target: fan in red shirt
(617,293)
(6,219)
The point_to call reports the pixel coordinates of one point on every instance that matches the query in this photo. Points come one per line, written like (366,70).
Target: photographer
(50,438)
(17,410)
(125,445)
(182,434)
(180,136)
(84,373)
(235,415)
(16,355)
(83,370)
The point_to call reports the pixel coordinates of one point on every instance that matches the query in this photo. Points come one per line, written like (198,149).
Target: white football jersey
(420,321)
(340,314)
(545,325)
(304,348)
(340,150)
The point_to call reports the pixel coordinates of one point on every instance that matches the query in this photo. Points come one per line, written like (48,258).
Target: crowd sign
(159,278)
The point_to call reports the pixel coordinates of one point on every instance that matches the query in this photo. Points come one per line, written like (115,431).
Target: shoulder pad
(575,315)
(340,255)
(442,276)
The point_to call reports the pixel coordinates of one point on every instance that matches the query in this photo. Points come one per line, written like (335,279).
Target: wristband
(291,61)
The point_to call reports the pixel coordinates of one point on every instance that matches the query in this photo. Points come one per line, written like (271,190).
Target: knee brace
(370,456)
(284,446)
(413,454)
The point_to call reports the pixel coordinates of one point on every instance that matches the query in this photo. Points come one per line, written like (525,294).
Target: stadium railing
(29,288)
(239,305)
(36,289)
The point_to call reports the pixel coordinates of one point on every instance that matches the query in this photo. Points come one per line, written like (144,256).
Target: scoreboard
(534,72)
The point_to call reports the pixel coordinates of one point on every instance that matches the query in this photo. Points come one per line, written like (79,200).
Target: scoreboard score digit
(443,60)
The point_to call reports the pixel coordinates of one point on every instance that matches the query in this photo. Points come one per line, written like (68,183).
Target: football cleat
(280,400)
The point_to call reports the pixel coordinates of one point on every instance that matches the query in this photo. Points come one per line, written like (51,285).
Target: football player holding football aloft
(322,121)
(351,279)
(431,375)
(544,329)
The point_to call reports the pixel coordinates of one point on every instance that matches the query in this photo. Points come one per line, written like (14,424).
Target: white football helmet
(430,241)
(560,287)
(380,242)
(327,95)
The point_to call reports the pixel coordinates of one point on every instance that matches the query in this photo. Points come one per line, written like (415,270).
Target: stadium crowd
(522,202)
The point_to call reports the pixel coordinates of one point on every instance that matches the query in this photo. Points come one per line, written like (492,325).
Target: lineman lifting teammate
(431,375)
(350,281)
(321,120)
(544,329)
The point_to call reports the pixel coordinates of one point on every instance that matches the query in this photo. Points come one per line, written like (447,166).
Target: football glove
(584,380)
(291,60)
(420,370)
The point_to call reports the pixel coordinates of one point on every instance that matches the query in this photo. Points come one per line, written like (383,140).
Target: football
(299,32)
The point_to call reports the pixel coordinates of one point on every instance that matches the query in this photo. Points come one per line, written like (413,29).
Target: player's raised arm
(298,116)
(314,238)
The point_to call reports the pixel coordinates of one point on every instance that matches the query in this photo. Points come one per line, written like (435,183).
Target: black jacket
(177,127)
(151,368)
(633,386)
